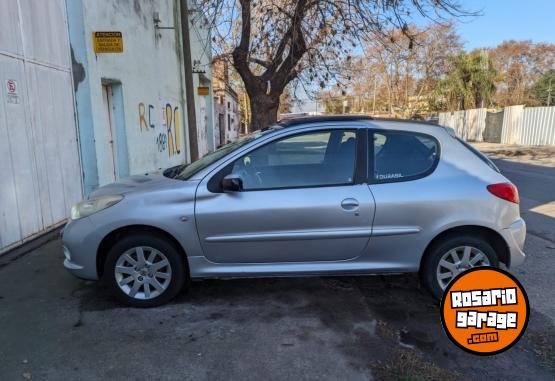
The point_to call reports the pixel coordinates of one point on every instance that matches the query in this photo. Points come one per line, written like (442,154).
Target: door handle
(349,204)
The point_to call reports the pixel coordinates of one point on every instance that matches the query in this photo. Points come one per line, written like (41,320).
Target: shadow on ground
(387,326)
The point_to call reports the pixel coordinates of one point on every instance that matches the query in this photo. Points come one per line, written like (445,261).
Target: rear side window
(480,155)
(402,155)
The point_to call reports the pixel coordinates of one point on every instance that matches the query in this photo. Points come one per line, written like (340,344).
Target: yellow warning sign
(108,42)
(202,90)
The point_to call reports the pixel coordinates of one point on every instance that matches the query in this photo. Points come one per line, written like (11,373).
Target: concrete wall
(494,126)
(39,161)
(147,129)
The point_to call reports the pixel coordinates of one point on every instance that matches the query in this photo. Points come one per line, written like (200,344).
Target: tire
(430,274)
(145,283)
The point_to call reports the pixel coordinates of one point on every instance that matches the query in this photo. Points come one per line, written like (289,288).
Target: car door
(409,195)
(304,199)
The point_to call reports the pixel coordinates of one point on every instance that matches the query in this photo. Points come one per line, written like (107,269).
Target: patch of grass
(407,365)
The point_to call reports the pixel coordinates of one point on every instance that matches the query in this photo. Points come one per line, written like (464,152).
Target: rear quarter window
(402,155)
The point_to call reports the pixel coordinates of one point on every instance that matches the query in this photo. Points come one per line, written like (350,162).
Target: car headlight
(87,207)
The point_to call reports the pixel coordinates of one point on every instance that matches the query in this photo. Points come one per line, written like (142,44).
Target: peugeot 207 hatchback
(310,196)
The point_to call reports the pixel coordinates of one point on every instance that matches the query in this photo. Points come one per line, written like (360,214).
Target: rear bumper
(515,236)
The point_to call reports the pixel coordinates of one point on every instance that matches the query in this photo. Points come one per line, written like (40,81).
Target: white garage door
(39,163)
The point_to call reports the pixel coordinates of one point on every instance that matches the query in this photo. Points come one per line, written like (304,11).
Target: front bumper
(515,236)
(80,242)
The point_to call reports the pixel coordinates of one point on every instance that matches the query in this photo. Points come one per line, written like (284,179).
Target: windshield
(185,171)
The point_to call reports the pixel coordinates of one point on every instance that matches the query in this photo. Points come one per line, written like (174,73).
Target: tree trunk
(264,111)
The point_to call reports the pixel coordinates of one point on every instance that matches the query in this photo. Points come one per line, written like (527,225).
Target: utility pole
(374,102)
(189,83)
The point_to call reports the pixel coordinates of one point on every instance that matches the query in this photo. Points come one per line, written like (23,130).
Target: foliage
(543,89)
(427,73)
(470,83)
(394,76)
(520,64)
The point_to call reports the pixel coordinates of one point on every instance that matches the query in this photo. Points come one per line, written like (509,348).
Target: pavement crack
(74,293)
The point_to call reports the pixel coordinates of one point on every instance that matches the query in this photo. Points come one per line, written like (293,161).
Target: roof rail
(415,121)
(344,118)
(322,119)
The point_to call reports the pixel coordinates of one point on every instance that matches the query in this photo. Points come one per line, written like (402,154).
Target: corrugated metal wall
(468,125)
(511,132)
(538,126)
(40,168)
(521,125)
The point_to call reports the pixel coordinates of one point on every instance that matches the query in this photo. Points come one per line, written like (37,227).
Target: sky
(499,20)
(505,20)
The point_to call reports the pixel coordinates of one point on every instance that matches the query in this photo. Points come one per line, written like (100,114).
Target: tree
(520,64)
(395,75)
(272,43)
(470,82)
(544,89)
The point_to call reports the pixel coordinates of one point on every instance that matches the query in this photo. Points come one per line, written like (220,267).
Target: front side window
(317,158)
(185,171)
(400,155)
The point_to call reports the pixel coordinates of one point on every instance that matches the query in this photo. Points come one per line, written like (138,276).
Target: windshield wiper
(173,172)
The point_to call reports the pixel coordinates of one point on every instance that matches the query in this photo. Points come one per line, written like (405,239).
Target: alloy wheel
(457,260)
(143,272)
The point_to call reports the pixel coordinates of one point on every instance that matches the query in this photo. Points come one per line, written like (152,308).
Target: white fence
(468,125)
(521,125)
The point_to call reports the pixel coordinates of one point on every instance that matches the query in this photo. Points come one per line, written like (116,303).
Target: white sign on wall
(12,95)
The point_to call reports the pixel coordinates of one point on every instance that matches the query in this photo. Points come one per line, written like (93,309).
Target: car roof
(344,118)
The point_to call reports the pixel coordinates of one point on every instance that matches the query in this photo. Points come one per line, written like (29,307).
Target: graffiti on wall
(143,119)
(173,133)
(168,134)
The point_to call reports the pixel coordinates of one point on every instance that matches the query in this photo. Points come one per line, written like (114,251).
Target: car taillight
(506,191)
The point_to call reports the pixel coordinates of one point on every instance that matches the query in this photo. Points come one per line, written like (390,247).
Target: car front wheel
(451,256)
(144,270)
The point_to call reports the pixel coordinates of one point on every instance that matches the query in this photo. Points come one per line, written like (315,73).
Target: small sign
(203,90)
(12,95)
(108,42)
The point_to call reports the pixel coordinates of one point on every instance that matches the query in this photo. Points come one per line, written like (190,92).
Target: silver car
(345,195)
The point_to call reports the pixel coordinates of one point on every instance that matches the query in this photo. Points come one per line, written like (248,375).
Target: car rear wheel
(451,256)
(144,270)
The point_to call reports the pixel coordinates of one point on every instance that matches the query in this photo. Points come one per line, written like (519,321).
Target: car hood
(137,183)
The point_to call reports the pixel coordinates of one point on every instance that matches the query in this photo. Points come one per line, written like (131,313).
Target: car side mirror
(232,183)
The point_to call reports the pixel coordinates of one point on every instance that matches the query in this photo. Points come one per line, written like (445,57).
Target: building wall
(146,129)
(227,113)
(201,55)
(40,166)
